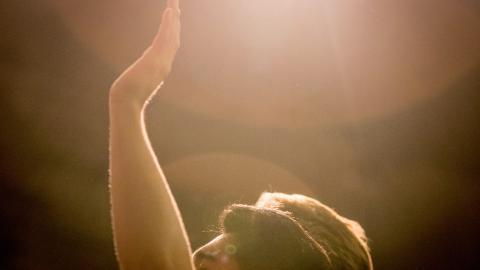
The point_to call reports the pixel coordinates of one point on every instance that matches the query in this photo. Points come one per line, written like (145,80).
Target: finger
(174,4)
(174,23)
(175,33)
(165,23)
(169,32)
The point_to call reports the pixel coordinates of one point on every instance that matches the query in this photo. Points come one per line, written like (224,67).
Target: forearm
(148,229)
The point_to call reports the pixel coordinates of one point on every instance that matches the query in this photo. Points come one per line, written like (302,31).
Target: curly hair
(284,232)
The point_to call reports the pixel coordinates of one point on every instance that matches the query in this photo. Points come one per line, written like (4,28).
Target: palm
(143,77)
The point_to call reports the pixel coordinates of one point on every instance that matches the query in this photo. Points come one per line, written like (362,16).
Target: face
(218,254)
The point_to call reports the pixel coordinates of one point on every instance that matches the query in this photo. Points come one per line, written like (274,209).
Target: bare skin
(217,254)
(147,225)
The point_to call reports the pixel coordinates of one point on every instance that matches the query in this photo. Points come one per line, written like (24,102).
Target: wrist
(132,93)
(123,103)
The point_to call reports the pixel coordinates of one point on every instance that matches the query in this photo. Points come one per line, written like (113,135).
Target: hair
(283,232)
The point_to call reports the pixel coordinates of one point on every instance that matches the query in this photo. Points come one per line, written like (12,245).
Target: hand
(139,82)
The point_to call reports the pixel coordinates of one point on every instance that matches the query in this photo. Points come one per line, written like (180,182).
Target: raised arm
(148,229)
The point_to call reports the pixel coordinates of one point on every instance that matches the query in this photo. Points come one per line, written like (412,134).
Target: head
(284,232)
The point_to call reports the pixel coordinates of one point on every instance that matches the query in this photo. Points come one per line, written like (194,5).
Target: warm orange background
(371,106)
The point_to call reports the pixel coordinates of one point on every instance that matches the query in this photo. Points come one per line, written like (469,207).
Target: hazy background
(370,106)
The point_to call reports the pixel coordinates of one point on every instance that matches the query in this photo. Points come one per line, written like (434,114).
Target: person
(279,232)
